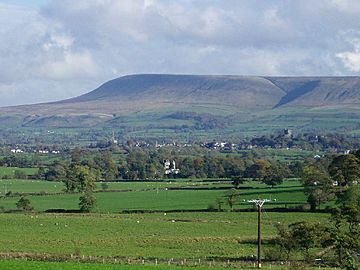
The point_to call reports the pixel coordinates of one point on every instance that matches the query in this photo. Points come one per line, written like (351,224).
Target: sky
(57,49)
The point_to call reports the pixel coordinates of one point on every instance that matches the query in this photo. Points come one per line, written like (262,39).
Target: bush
(20,175)
(24,204)
(87,202)
(104,186)
(211,207)
(274,254)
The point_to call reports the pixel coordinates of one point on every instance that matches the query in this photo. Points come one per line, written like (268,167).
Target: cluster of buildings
(40,151)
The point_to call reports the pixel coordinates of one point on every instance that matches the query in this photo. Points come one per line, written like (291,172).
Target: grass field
(34,265)
(156,235)
(254,123)
(29,186)
(168,233)
(158,196)
(10,171)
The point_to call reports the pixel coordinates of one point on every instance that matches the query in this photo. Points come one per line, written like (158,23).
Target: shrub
(24,204)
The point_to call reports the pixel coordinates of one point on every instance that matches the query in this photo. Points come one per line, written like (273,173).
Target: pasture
(143,222)
(154,196)
(10,171)
(29,186)
(35,265)
(222,235)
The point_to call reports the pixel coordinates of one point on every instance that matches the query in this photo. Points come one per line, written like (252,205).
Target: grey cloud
(69,47)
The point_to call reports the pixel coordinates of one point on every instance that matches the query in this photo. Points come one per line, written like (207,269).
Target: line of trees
(148,164)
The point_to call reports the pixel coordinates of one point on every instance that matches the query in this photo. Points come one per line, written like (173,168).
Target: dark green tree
(345,169)
(107,166)
(79,177)
(232,195)
(299,236)
(104,186)
(346,232)
(76,154)
(24,204)
(273,175)
(237,181)
(357,153)
(317,186)
(18,174)
(258,169)
(86,184)
(56,171)
(87,201)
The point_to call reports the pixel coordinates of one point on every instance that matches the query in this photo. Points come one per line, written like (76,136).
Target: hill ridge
(214,94)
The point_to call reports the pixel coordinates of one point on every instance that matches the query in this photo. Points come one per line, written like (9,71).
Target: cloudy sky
(51,50)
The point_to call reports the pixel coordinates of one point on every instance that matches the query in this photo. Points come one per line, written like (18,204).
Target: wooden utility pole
(259,203)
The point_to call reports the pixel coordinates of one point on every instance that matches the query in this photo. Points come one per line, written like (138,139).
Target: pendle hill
(203,102)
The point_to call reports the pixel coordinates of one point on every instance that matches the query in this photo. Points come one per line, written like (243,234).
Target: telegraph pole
(259,203)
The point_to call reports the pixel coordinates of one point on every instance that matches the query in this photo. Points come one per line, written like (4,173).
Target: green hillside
(217,105)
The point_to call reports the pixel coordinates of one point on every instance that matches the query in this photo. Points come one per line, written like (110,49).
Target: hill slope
(167,95)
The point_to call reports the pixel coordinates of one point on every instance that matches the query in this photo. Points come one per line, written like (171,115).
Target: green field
(29,186)
(159,196)
(175,224)
(34,265)
(246,124)
(10,171)
(157,235)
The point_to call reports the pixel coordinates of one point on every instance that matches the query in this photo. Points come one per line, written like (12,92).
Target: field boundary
(208,262)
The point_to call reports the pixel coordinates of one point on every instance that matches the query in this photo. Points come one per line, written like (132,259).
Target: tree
(345,169)
(231,198)
(56,171)
(237,181)
(79,177)
(71,180)
(82,179)
(273,176)
(357,153)
(305,235)
(135,166)
(317,186)
(199,167)
(87,201)
(86,179)
(346,232)
(24,204)
(76,156)
(258,169)
(296,168)
(300,236)
(107,166)
(187,168)
(40,173)
(219,203)
(104,186)
(18,174)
